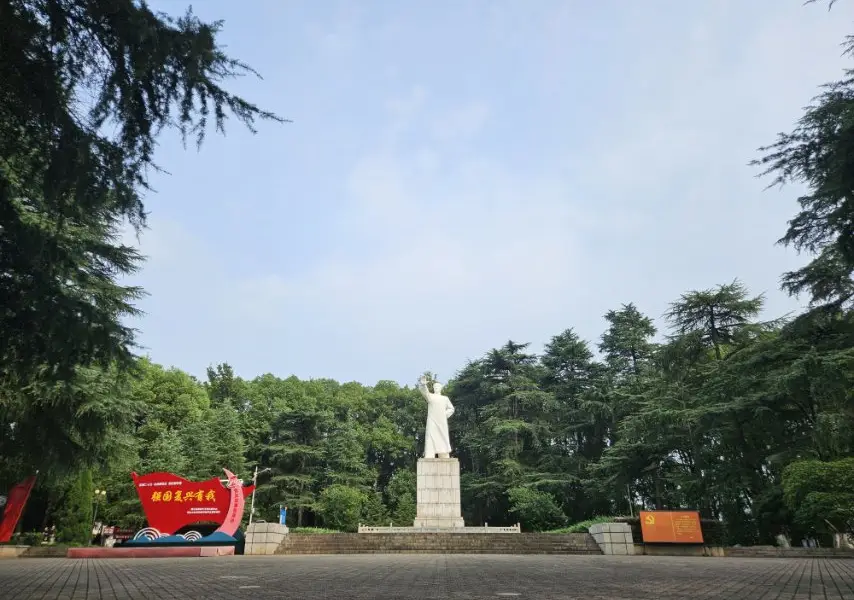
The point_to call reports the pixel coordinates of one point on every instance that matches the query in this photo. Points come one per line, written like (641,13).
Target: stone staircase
(439,543)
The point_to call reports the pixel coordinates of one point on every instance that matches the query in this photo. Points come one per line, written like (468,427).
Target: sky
(461,173)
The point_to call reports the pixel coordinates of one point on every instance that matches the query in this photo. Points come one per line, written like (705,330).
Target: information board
(673,527)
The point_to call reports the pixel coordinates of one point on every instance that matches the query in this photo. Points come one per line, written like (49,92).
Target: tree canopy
(738,424)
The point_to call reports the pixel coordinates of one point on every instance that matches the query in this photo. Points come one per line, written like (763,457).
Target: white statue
(437,440)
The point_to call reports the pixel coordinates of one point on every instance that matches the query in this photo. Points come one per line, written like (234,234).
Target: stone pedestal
(264,538)
(439,493)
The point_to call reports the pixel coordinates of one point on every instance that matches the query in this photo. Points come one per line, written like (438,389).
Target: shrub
(535,510)
(30,538)
(401,496)
(821,492)
(340,507)
(582,526)
(373,510)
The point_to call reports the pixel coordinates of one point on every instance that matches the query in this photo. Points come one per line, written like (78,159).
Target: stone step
(438,551)
(437,546)
(439,543)
(442,548)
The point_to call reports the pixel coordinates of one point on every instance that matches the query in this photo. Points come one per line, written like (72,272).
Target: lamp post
(99,496)
(255,484)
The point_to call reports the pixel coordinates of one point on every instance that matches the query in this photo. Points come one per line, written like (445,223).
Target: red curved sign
(171,502)
(231,522)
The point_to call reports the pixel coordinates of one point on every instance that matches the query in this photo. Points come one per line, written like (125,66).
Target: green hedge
(582,526)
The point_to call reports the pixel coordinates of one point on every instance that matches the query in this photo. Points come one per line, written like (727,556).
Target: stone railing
(391,529)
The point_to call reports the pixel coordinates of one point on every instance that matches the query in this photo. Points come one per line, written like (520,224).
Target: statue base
(438,494)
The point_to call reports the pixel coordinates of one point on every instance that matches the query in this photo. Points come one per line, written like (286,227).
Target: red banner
(15,504)
(170,502)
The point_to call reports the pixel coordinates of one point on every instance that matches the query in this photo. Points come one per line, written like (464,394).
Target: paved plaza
(380,577)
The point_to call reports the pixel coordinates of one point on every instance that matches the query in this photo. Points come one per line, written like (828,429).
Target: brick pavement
(458,577)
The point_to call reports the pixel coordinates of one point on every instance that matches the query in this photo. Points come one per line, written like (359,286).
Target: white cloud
(439,249)
(490,248)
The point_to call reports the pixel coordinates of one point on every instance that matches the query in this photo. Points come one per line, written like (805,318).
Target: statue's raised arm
(422,387)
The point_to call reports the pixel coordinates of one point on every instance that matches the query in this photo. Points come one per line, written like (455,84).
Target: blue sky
(461,173)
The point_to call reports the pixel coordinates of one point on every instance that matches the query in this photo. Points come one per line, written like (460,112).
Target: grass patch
(311,530)
(582,527)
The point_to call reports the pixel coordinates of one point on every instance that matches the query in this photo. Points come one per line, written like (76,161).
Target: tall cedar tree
(73,71)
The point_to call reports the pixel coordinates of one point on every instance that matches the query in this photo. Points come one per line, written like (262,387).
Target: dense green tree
(374,511)
(577,422)
(535,510)
(213,442)
(224,387)
(401,500)
(74,523)
(627,343)
(819,153)
(718,317)
(73,72)
(341,507)
(546,440)
(501,404)
(87,88)
(821,494)
(169,396)
(61,427)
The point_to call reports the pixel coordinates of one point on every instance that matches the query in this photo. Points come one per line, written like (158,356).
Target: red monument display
(171,502)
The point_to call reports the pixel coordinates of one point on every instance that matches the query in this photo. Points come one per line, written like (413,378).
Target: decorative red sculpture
(171,502)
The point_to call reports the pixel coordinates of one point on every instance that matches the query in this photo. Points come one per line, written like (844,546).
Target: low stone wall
(741,552)
(264,538)
(677,550)
(775,551)
(155,551)
(439,543)
(12,551)
(45,552)
(613,538)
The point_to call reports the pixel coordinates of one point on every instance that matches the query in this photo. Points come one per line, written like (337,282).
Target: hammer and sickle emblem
(650,519)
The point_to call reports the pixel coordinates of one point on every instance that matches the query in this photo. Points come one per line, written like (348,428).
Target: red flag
(15,503)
